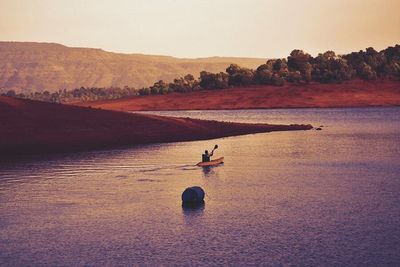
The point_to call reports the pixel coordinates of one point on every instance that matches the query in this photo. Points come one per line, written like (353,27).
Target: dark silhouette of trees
(240,76)
(300,61)
(159,87)
(273,72)
(184,84)
(79,94)
(210,80)
(263,74)
(391,68)
(329,68)
(144,91)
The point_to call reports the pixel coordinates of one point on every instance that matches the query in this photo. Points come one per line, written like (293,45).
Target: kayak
(211,163)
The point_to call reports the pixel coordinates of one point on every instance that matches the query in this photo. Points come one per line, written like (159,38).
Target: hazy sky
(199,28)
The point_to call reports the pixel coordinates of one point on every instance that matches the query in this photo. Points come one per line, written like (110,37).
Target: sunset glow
(205,28)
(199,133)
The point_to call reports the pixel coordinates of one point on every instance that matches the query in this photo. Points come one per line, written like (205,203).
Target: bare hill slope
(26,67)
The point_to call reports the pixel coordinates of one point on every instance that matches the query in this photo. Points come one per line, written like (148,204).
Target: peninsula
(32,127)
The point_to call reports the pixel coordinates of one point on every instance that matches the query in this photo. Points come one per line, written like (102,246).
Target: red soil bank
(28,126)
(355,93)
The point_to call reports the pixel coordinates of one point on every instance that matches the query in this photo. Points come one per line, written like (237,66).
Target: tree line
(78,94)
(298,67)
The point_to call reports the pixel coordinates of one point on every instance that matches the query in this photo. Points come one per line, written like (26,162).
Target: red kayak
(211,163)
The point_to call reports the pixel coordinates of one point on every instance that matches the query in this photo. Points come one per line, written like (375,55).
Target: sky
(202,28)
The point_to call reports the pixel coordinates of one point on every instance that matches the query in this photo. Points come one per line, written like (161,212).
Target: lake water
(319,198)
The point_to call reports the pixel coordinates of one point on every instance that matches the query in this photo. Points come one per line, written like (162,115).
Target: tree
(159,87)
(391,68)
(274,71)
(329,68)
(144,91)
(342,71)
(277,80)
(233,69)
(294,77)
(186,84)
(367,73)
(300,61)
(210,80)
(369,64)
(240,76)
(263,74)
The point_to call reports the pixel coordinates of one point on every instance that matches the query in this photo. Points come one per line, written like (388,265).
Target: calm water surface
(319,198)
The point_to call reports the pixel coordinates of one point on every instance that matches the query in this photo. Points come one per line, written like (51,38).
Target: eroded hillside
(27,67)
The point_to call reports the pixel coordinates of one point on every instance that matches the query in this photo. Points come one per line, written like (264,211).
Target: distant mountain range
(28,67)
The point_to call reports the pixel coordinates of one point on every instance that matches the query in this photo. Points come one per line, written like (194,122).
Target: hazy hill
(26,67)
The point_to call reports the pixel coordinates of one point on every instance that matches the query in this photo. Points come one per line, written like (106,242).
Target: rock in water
(193,195)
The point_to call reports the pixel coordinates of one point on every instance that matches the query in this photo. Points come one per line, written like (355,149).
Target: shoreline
(356,93)
(33,127)
(275,108)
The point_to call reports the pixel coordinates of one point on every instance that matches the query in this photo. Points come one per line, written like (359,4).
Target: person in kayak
(206,156)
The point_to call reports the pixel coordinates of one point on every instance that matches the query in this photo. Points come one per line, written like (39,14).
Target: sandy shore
(355,93)
(30,127)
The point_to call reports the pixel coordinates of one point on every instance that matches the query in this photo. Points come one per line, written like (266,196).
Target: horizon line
(177,57)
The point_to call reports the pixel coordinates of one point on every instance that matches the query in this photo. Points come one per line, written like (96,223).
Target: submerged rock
(193,195)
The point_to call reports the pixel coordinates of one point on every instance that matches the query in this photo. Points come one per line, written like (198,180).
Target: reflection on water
(209,171)
(325,197)
(193,210)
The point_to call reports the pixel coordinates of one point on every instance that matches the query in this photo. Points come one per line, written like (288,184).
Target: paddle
(215,147)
